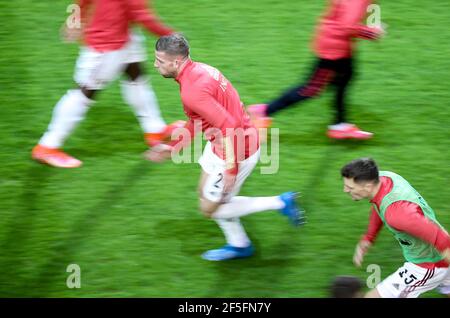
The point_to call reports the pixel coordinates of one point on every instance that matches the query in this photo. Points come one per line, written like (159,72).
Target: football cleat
(228,252)
(349,131)
(291,209)
(54,157)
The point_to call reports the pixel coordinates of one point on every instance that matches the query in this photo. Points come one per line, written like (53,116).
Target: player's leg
(227,214)
(94,70)
(138,93)
(234,232)
(215,205)
(68,112)
(321,75)
(341,129)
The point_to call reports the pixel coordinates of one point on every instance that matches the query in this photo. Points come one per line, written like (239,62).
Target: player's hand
(384,28)
(360,251)
(446,255)
(158,153)
(228,183)
(381,31)
(71,34)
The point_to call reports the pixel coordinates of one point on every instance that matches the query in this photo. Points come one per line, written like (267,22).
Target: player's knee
(207,208)
(310,91)
(88,93)
(134,71)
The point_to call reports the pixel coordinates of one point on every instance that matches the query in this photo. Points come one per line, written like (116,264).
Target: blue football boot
(292,210)
(228,252)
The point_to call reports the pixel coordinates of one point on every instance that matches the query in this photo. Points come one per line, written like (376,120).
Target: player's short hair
(361,170)
(173,44)
(346,287)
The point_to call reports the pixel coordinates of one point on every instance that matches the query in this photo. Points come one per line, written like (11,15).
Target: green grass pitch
(134,227)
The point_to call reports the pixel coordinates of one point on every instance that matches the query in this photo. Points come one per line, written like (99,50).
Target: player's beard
(168,74)
(355,198)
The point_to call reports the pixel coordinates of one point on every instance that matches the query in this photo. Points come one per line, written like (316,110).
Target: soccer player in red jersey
(109,49)
(333,47)
(397,205)
(212,103)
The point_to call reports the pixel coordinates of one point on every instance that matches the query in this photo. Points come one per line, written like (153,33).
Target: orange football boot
(54,157)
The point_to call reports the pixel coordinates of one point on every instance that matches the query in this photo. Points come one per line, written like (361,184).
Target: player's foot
(348,131)
(154,139)
(54,157)
(292,209)
(228,252)
(258,115)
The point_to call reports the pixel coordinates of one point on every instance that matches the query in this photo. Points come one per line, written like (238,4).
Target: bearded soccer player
(397,205)
(109,50)
(333,48)
(211,102)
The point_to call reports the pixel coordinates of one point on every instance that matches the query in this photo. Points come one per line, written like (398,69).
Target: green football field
(134,227)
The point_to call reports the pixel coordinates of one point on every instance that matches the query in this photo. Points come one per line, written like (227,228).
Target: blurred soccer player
(346,287)
(397,205)
(231,153)
(333,47)
(109,50)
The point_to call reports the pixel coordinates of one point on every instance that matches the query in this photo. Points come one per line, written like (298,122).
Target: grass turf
(134,227)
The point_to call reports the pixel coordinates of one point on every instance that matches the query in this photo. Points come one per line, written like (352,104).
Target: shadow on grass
(62,253)
(12,248)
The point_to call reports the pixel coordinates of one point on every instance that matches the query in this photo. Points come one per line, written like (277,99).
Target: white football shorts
(94,70)
(215,168)
(410,280)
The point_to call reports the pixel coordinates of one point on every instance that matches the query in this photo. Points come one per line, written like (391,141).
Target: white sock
(234,232)
(240,206)
(68,112)
(141,97)
(340,126)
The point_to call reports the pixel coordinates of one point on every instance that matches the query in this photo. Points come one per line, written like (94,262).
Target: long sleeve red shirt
(210,99)
(341,23)
(108,22)
(406,217)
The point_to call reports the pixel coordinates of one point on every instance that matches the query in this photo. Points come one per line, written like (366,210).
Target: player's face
(166,64)
(357,191)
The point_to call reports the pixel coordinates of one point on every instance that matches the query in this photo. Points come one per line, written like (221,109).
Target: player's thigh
(343,72)
(210,196)
(135,48)
(201,183)
(213,169)
(410,280)
(94,70)
(211,187)
(246,168)
(444,287)
(212,180)
(322,74)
